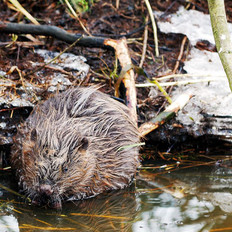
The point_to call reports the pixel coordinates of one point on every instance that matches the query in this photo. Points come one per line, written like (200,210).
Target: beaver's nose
(46,189)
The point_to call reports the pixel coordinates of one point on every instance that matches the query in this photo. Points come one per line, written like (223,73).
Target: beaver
(74,146)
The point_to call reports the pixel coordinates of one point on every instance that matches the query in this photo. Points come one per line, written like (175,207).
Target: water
(167,198)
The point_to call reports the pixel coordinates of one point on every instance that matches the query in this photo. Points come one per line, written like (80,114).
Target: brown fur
(70,147)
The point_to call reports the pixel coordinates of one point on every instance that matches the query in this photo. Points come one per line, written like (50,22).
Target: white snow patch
(194,24)
(17,102)
(58,82)
(205,63)
(210,97)
(66,61)
(69,62)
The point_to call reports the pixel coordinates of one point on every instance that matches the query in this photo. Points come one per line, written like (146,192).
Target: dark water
(179,199)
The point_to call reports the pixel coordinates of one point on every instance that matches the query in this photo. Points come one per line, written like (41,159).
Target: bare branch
(56,32)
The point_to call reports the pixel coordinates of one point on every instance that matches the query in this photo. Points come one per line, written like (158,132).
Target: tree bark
(221,35)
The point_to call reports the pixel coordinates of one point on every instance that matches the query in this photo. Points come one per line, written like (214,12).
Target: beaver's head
(55,164)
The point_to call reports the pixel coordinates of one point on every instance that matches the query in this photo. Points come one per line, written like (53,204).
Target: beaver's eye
(84,143)
(64,169)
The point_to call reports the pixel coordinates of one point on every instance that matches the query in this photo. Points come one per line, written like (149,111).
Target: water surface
(162,198)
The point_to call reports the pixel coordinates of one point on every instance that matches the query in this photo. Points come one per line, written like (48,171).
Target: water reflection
(111,212)
(192,199)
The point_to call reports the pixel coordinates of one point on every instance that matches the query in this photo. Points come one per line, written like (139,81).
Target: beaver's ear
(84,143)
(33,134)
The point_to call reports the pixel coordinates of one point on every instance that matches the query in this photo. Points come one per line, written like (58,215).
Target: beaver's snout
(45,189)
(46,196)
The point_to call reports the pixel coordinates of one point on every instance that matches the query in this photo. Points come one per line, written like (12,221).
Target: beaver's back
(75,145)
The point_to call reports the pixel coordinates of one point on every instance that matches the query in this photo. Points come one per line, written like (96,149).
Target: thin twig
(162,91)
(165,77)
(180,54)
(117,4)
(153,26)
(76,16)
(23,11)
(59,70)
(179,82)
(144,44)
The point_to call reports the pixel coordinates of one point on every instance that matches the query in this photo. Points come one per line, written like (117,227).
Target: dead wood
(166,115)
(127,73)
(56,32)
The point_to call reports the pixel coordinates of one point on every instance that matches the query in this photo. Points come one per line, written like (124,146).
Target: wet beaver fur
(74,146)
